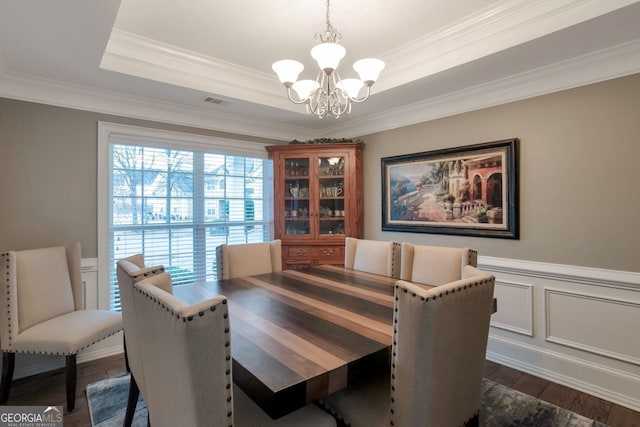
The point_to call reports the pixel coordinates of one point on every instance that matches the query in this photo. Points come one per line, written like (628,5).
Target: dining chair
(42,311)
(438,354)
(372,256)
(129,271)
(248,259)
(186,355)
(434,265)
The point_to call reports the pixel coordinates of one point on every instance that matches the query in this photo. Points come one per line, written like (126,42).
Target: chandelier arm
(292,99)
(342,103)
(342,98)
(364,98)
(314,102)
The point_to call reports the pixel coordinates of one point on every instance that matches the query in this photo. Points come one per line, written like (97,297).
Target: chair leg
(8,364)
(126,357)
(70,380)
(132,402)
(474,421)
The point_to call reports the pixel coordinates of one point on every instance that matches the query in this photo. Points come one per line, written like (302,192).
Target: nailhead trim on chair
(219,265)
(473,256)
(395,330)
(395,252)
(6,259)
(65,354)
(227,343)
(149,273)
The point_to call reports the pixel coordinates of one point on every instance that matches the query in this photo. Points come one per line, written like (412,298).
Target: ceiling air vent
(215,101)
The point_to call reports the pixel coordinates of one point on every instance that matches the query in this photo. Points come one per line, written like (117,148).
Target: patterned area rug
(107,401)
(506,407)
(501,407)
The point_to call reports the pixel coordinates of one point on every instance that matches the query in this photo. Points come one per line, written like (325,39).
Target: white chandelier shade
(328,94)
(304,88)
(351,86)
(369,69)
(287,70)
(328,56)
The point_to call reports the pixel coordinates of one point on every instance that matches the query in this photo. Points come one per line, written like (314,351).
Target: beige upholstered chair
(440,341)
(42,311)
(372,256)
(434,265)
(248,259)
(129,271)
(186,355)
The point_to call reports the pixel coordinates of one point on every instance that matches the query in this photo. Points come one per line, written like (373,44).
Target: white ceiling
(157,59)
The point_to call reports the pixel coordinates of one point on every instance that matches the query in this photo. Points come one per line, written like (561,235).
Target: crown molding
(35,89)
(606,64)
(603,65)
(150,59)
(493,29)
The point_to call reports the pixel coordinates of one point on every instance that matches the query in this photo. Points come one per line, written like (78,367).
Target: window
(174,198)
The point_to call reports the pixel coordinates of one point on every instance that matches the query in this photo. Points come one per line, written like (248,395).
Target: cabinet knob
(327,252)
(301,252)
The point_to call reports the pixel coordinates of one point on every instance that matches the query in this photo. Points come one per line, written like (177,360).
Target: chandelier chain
(331,35)
(328,20)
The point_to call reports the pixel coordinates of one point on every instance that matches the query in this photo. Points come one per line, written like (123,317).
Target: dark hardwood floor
(565,397)
(48,389)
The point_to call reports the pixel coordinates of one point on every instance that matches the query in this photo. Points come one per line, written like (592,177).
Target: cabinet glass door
(296,197)
(331,185)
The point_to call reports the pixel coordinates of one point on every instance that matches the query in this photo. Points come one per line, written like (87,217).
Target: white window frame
(108,132)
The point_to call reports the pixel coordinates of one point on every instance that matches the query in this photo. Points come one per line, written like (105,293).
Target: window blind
(175,205)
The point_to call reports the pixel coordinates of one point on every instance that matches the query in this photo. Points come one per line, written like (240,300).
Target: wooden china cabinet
(318,201)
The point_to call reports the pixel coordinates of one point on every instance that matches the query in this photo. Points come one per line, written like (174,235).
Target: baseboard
(558,367)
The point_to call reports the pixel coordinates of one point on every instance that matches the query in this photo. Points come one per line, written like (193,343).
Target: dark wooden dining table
(299,335)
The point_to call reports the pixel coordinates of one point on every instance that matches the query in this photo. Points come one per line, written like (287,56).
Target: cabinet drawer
(315,252)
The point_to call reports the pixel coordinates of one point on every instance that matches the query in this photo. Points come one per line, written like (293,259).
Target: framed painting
(470,190)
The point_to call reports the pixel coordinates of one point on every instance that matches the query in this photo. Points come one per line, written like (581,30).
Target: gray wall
(48,171)
(579,174)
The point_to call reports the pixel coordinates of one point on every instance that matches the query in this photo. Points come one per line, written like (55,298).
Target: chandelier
(328,94)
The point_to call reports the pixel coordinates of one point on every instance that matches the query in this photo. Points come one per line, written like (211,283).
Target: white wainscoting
(584,321)
(28,364)
(576,326)
(517,315)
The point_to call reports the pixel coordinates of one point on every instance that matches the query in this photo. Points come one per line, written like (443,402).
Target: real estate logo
(30,416)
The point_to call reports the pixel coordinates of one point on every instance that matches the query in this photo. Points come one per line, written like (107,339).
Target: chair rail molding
(567,273)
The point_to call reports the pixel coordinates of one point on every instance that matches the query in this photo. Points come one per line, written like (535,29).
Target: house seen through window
(175,206)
